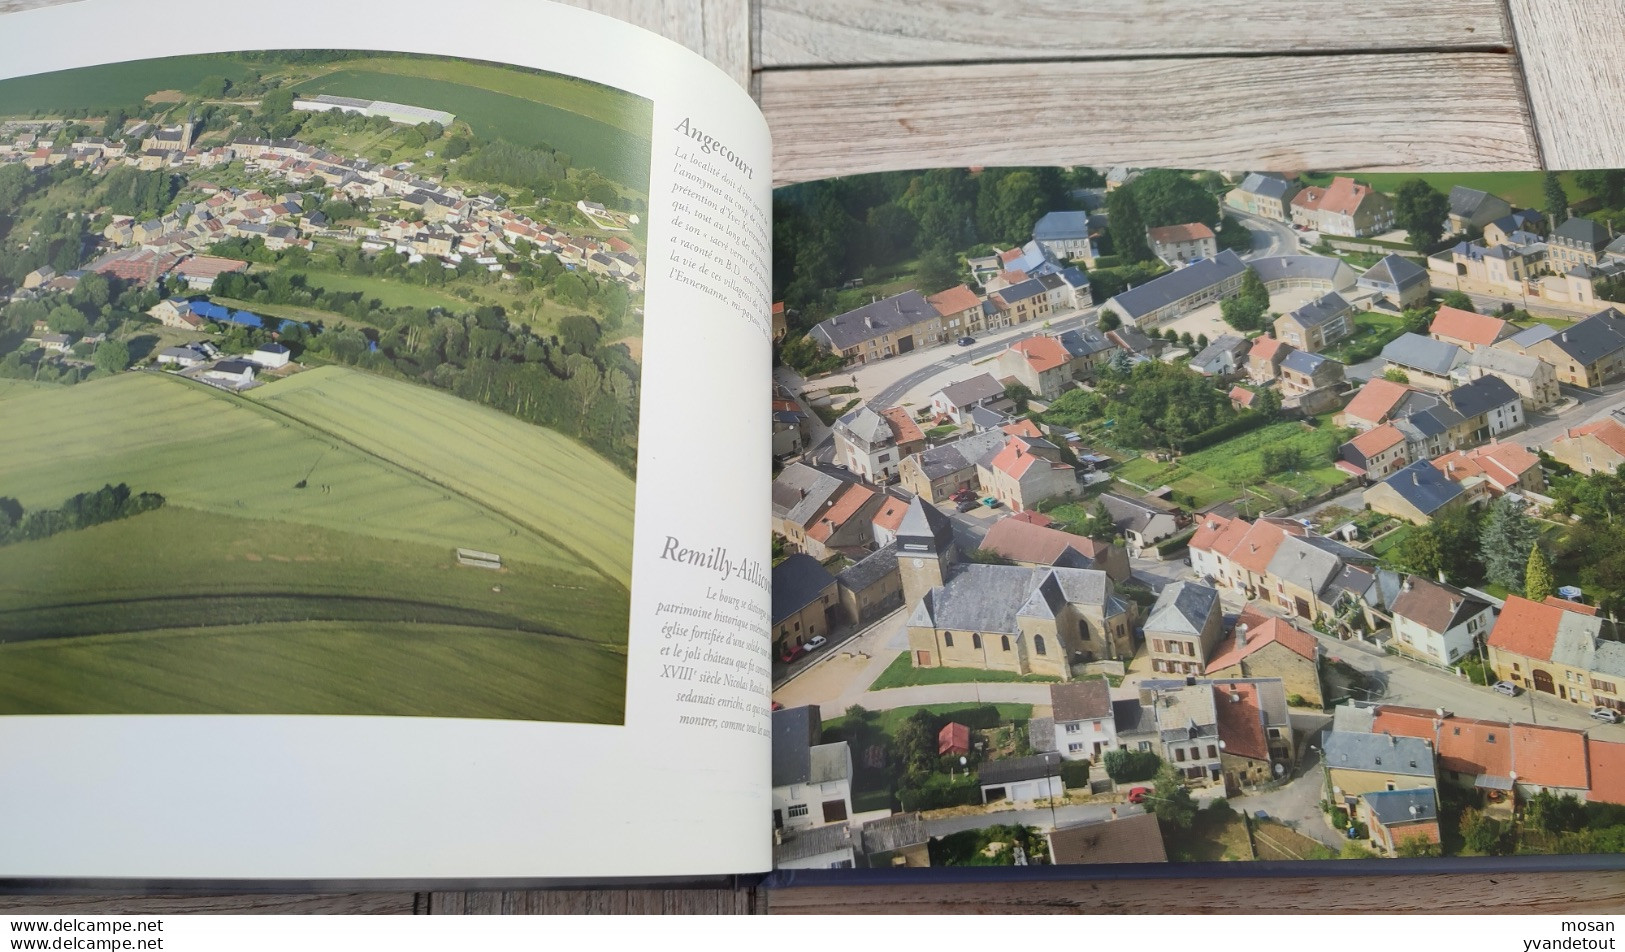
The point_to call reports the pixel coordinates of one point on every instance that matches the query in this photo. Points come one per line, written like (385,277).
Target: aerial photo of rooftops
(1132,515)
(319,381)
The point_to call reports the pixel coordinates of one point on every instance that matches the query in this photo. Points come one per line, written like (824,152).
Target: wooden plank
(348,904)
(740,901)
(849,32)
(1440,111)
(1461,893)
(1570,54)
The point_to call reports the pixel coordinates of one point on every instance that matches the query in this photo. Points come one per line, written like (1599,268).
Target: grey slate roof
(1482,395)
(1016,769)
(993,598)
(1422,353)
(862,574)
(795,731)
(1530,336)
(813,841)
(1592,339)
(1062,226)
(898,831)
(1084,343)
(801,490)
(865,426)
(1129,716)
(966,392)
(1075,277)
(1304,362)
(1322,310)
(1504,361)
(1583,231)
(1265,184)
(1380,753)
(1183,608)
(1465,202)
(1402,806)
(983,418)
(939,461)
(1354,717)
(797,582)
(1213,354)
(1031,287)
(1081,700)
(1423,486)
(1283,267)
(1305,564)
(1175,285)
(924,526)
(874,319)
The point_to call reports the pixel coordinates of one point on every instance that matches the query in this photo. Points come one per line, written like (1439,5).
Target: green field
(901,674)
(1521,189)
(312,583)
(889,721)
(595,140)
(388,293)
(117,85)
(17,388)
(1223,472)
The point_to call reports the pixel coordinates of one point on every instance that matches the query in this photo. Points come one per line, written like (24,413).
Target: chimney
(1392,740)
(1416,479)
(1241,635)
(1190,680)
(1407,585)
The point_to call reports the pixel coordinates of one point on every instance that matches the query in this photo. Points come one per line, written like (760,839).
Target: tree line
(82,511)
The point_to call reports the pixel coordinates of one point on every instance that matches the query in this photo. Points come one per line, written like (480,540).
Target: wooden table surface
(868,85)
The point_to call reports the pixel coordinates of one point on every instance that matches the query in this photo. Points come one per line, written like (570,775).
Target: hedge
(939,792)
(1175,543)
(1075,774)
(1224,431)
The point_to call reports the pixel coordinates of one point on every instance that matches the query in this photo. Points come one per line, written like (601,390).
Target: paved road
(1270,237)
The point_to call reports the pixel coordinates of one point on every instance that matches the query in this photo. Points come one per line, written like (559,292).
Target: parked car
(966,505)
(990,502)
(1606,714)
(815,642)
(963,495)
(966,341)
(1138,794)
(1507,688)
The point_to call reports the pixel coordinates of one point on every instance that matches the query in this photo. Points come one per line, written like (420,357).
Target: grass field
(890,721)
(121,85)
(901,674)
(1522,189)
(593,138)
(17,388)
(388,293)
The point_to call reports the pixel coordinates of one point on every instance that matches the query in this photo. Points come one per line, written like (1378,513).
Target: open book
(385,477)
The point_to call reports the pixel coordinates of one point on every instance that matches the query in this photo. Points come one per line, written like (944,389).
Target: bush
(1224,431)
(938,791)
(1075,773)
(1128,766)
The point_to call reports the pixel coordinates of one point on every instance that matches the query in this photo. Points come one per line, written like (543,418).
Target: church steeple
(925,550)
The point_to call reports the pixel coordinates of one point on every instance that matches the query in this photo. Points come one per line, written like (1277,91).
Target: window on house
(1072,728)
(1074,748)
(947,639)
(1490,739)
(797,810)
(1004,642)
(1038,644)
(1212,751)
(976,641)
(1179,754)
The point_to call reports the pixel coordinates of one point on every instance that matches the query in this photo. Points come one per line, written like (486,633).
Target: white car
(816,642)
(1606,714)
(1507,688)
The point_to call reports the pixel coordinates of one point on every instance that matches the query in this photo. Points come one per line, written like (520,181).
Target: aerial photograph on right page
(1131,515)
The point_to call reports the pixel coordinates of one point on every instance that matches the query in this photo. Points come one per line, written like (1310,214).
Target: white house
(271,356)
(1084,727)
(956,400)
(1438,623)
(812,782)
(234,373)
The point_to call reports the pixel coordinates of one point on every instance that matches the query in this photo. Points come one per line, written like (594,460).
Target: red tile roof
(1260,633)
(1610,432)
(1526,628)
(953,739)
(1503,464)
(1264,348)
(1189,232)
(1012,277)
(1011,255)
(891,514)
(1021,541)
(1607,763)
(1375,400)
(1567,605)
(1383,438)
(1023,428)
(1242,396)
(1545,756)
(1034,517)
(1208,532)
(846,506)
(1469,326)
(953,300)
(1240,721)
(1343,197)
(903,427)
(1255,549)
(1042,353)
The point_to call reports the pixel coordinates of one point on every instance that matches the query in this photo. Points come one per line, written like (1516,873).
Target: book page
(1159,515)
(382,422)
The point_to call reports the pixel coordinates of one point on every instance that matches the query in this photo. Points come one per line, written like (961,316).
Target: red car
(1138,794)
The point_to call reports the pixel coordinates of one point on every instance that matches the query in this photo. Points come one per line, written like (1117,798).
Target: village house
(1132,838)
(1438,623)
(1560,649)
(1183,628)
(1416,493)
(1223,357)
(1577,242)
(1589,353)
(1359,763)
(1181,244)
(1396,283)
(1500,467)
(1265,194)
(1345,208)
(1021,779)
(1255,732)
(1394,816)
(1143,522)
(956,400)
(812,781)
(872,586)
(960,310)
(805,604)
(1310,381)
(1299,576)
(885,328)
(1373,405)
(935,474)
(1270,647)
(1593,448)
(1235,554)
(1425,362)
(1533,379)
(1312,327)
(1027,471)
(1472,208)
(1178,292)
(1084,729)
(872,444)
(1467,329)
(1067,235)
(1037,545)
(1265,357)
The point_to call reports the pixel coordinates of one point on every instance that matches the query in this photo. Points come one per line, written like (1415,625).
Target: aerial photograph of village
(319,377)
(1131,515)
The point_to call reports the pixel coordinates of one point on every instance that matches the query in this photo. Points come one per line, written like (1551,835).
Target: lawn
(1223,472)
(1215,836)
(1372,330)
(901,674)
(16,388)
(1391,542)
(388,293)
(609,133)
(1274,841)
(890,721)
(1522,189)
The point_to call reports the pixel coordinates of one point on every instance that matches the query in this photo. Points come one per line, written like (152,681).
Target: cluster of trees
(1421,210)
(1154,405)
(1156,198)
(98,304)
(78,512)
(1246,311)
(140,194)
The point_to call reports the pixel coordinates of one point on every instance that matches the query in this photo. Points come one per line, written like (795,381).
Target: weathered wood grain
(1436,111)
(852,32)
(1571,61)
(1519,893)
(719,30)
